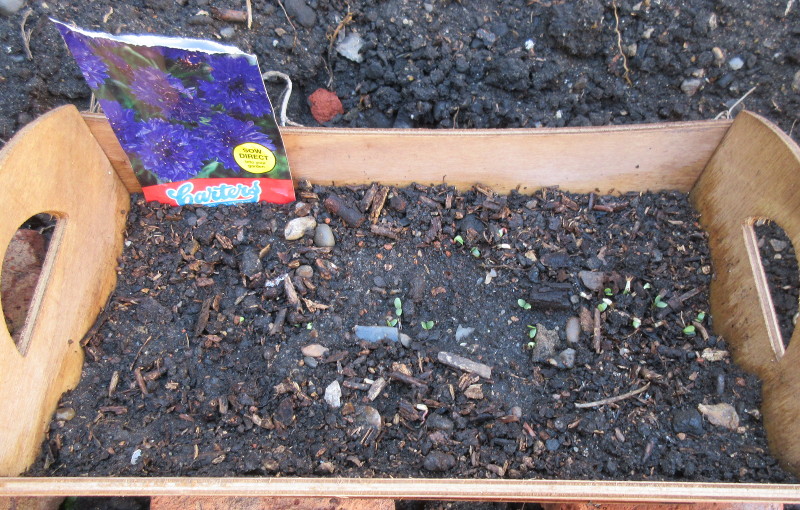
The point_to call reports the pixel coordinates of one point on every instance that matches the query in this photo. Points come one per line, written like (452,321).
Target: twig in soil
(202,319)
(26,34)
(596,331)
(408,379)
(331,40)
(136,358)
(467,365)
(140,380)
(108,14)
(230,15)
(611,400)
(249,8)
(376,388)
(789,5)
(289,20)
(619,46)
(729,112)
(277,326)
(285,95)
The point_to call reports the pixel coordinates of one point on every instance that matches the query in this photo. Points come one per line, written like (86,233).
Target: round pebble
(323,236)
(736,63)
(304,271)
(227,32)
(573,330)
(298,227)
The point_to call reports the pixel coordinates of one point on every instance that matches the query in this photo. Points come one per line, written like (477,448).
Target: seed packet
(193,116)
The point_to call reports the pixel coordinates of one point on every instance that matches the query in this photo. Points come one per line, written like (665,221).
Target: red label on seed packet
(193,116)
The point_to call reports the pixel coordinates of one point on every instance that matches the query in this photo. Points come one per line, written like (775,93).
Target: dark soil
(196,366)
(450,63)
(783,276)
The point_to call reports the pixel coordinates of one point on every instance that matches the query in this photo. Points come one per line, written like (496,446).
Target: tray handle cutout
(55,165)
(754,173)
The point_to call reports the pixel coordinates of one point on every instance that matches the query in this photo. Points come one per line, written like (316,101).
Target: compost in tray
(551,336)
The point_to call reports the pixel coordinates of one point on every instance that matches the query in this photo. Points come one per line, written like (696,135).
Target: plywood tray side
(55,166)
(754,174)
(426,488)
(620,158)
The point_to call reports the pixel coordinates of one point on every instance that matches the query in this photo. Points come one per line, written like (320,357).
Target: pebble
(516,411)
(227,32)
(250,263)
(301,12)
(135,457)
(691,86)
(367,416)
(350,46)
(736,63)
(573,330)
(546,341)
(687,420)
(323,236)
(439,461)
(311,362)
(10,7)
(298,227)
(65,413)
(378,333)
(314,350)
(304,271)
(440,422)
(719,55)
(777,244)
(567,358)
(552,444)
(333,395)
(593,280)
(487,37)
(529,44)
(462,332)
(325,105)
(796,82)
(722,415)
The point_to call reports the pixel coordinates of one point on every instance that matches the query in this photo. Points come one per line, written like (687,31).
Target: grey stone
(439,461)
(301,12)
(462,332)
(687,420)
(350,46)
(304,271)
(250,263)
(10,7)
(552,444)
(311,362)
(298,227)
(227,32)
(691,86)
(573,330)
(796,82)
(439,422)
(777,244)
(333,395)
(592,279)
(323,236)
(736,63)
(567,358)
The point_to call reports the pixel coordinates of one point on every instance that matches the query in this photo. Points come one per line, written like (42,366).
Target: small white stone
(333,395)
(298,227)
(529,44)
(736,63)
(137,454)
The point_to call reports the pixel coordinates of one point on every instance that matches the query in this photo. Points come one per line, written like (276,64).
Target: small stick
(410,380)
(108,14)
(377,388)
(467,365)
(26,34)
(140,352)
(611,400)
(202,319)
(727,113)
(619,46)
(140,380)
(249,8)
(596,331)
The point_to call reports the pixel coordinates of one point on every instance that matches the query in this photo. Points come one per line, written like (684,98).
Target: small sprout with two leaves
(658,303)
(523,304)
(689,330)
(475,252)
(608,292)
(636,322)
(701,316)
(458,239)
(392,322)
(426,325)
(604,304)
(647,286)
(532,330)
(310,325)
(398,306)
(530,345)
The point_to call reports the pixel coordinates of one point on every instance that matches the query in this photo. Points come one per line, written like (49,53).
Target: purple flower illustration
(123,120)
(237,85)
(223,133)
(168,150)
(94,70)
(157,88)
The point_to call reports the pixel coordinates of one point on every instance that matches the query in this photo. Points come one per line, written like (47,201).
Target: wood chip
(467,365)
(377,388)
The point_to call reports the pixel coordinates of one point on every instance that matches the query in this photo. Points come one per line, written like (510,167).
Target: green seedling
(689,330)
(647,286)
(603,305)
(658,303)
(700,316)
(475,252)
(530,345)
(608,292)
(459,240)
(628,281)
(398,307)
(532,330)
(426,325)
(310,325)
(636,322)
(523,304)
(391,322)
